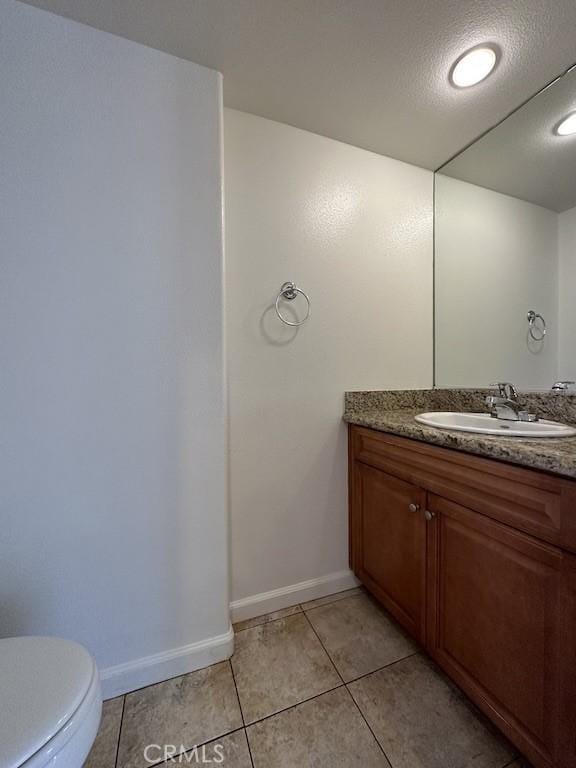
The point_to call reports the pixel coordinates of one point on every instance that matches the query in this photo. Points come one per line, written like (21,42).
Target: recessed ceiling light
(473,66)
(567,126)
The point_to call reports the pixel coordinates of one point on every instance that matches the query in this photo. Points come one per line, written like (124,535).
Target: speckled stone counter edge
(394,412)
(547,405)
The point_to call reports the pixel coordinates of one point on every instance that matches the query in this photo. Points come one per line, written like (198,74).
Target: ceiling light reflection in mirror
(567,126)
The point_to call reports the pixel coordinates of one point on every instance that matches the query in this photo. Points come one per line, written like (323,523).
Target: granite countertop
(394,413)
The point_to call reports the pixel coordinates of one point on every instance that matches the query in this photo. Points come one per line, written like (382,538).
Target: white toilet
(50,703)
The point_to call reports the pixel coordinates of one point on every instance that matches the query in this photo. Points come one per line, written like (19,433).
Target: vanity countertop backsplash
(394,412)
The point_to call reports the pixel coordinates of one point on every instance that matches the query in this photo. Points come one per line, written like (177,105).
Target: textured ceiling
(368,72)
(523,156)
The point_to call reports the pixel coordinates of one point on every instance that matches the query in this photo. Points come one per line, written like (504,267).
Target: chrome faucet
(562,386)
(505,404)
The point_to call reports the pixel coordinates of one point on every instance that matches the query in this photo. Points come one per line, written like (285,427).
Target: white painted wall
(496,258)
(112,450)
(567,302)
(354,230)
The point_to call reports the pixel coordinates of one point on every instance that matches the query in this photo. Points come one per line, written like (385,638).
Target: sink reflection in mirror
(505,251)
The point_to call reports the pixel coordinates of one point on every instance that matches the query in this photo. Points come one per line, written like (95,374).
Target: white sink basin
(484,424)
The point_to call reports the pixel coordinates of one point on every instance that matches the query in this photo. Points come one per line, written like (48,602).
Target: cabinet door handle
(429,515)
(413,507)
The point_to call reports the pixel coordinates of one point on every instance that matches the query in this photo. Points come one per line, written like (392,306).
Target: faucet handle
(506,389)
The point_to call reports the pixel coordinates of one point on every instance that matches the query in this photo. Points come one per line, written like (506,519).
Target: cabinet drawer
(528,500)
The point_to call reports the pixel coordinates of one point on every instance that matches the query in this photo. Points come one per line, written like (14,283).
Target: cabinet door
(567,749)
(389,535)
(495,622)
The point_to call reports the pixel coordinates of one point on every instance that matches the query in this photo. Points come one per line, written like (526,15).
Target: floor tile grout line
(293,706)
(350,694)
(338,600)
(196,746)
(366,674)
(244,726)
(287,709)
(249,747)
(237,694)
(325,649)
(384,666)
(236,631)
(151,685)
(299,605)
(270,621)
(241,712)
(363,716)
(305,613)
(120,732)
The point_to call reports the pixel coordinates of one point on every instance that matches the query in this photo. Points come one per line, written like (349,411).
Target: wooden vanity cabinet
(391,555)
(475,559)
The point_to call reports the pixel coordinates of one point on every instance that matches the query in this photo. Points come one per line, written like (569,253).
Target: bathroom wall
(354,230)
(112,455)
(567,324)
(496,258)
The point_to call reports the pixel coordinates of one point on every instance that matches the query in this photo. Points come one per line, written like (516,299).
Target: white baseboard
(266,602)
(132,675)
(148,670)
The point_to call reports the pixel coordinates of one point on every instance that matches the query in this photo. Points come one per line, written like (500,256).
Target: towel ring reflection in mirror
(289,291)
(536,326)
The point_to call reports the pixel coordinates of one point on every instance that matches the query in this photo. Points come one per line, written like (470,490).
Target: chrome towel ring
(289,291)
(537,332)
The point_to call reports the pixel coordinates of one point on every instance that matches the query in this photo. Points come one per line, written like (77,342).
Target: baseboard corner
(284,597)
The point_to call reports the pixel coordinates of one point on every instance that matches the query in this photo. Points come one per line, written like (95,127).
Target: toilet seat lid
(43,681)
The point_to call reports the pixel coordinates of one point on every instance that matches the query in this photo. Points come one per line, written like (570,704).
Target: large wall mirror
(505,250)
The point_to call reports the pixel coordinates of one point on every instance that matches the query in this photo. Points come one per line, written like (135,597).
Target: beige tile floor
(333,683)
